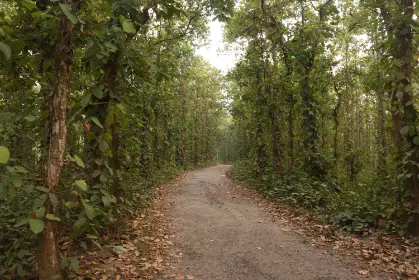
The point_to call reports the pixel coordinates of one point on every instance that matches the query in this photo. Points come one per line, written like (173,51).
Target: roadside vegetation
(324,110)
(100,101)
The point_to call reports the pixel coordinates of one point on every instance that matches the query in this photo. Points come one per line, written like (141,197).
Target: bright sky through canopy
(215,51)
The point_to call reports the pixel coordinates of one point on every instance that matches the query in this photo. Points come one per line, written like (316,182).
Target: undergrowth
(348,206)
(17,244)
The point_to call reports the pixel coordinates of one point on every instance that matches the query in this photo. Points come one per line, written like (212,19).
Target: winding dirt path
(225,236)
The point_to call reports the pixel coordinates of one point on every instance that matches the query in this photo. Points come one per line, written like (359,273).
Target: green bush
(349,206)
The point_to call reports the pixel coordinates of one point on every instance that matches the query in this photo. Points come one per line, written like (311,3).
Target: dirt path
(223,235)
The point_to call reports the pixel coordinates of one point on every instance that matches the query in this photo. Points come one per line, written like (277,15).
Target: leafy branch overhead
(101,101)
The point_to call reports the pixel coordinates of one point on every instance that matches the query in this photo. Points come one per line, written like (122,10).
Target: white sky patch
(216,51)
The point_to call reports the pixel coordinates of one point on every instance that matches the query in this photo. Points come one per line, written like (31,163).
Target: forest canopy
(324,112)
(102,100)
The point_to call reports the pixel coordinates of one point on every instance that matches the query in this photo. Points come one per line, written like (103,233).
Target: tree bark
(182,133)
(48,264)
(116,165)
(309,123)
(276,142)
(382,156)
(405,38)
(291,103)
(291,132)
(336,111)
(196,140)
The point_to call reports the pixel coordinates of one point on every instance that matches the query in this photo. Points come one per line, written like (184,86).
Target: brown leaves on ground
(397,257)
(142,252)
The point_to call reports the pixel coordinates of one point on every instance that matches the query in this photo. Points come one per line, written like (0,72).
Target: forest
(103,100)
(324,113)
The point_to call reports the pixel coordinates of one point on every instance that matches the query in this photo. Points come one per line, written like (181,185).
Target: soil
(223,235)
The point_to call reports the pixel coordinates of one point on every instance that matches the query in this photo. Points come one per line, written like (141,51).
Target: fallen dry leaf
(363,272)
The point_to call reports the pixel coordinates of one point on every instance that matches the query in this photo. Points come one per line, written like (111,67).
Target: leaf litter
(148,250)
(388,256)
(142,251)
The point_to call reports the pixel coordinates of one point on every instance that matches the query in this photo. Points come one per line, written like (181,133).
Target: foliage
(350,208)
(323,111)
(119,84)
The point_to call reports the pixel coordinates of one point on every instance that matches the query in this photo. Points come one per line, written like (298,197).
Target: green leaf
(66,8)
(52,217)
(40,212)
(98,92)
(16,180)
(79,161)
(97,122)
(416,140)
(6,50)
(21,253)
(404,31)
(4,155)
(29,5)
(106,201)
(54,200)
(42,189)
(96,173)
(90,212)
(400,75)
(69,204)
(81,184)
(128,27)
(111,46)
(97,244)
(80,222)
(3,190)
(36,225)
(39,202)
(404,130)
(118,249)
(86,99)
(20,270)
(30,118)
(64,263)
(103,146)
(83,245)
(121,107)
(20,169)
(74,264)
(103,178)
(22,222)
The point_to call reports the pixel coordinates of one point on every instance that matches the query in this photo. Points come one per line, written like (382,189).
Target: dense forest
(102,100)
(324,114)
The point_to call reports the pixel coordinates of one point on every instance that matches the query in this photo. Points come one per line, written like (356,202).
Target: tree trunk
(48,264)
(276,142)
(409,113)
(336,111)
(204,135)
(196,141)
(182,133)
(382,156)
(395,112)
(116,165)
(291,103)
(309,123)
(291,132)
